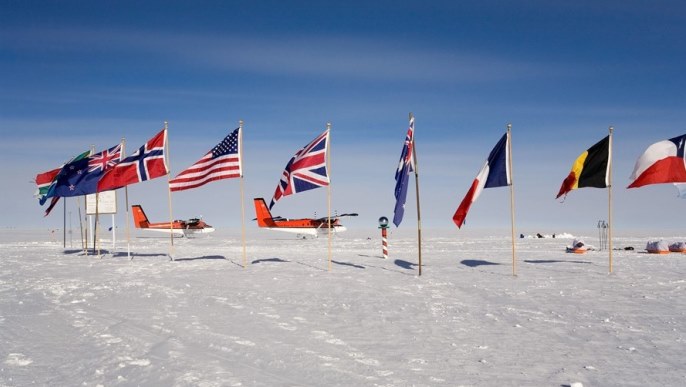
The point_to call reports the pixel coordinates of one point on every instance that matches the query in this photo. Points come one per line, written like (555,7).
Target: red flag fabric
(147,163)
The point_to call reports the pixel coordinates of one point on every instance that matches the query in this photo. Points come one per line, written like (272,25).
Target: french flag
(662,162)
(494,173)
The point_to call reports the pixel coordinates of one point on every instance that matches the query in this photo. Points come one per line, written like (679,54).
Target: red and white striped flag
(222,162)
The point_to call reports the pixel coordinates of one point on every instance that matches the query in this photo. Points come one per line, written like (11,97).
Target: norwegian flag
(148,162)
(306,170)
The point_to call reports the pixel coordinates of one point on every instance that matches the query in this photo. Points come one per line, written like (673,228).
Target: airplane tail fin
(262,213)
(140,220)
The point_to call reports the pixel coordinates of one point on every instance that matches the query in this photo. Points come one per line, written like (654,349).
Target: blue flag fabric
(402,175)
(80,177)
(498,175)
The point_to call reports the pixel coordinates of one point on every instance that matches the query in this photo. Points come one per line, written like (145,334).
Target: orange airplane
(302,227)
(178,227)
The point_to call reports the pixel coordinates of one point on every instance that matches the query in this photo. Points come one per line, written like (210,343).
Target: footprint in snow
(18,359)
(247,343)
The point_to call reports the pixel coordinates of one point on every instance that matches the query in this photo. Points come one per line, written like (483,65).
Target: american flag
(306,170)
(222,162)
(402,175)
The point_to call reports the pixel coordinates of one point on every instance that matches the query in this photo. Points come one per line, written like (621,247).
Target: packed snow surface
(287,320)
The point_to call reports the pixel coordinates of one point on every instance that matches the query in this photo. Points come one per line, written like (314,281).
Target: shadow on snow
(477,262)
(197,258)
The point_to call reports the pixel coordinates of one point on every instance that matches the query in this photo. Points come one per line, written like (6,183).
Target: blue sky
(82,73)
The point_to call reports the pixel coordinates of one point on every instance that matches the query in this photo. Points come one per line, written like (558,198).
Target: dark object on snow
(521,236)
(539,235)
(629,248)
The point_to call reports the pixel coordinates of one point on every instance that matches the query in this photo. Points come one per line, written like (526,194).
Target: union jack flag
(104,160)
(402,174)
(148,162)
(306,170)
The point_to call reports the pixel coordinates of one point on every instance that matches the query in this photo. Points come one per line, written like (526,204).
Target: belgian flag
(590,169)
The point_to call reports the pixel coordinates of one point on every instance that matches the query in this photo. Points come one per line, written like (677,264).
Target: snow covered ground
(285,320)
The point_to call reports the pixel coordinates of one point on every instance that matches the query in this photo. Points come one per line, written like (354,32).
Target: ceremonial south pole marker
(383,225)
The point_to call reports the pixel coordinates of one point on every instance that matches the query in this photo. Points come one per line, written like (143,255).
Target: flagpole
(171,217)
(80,226)
(95,222)
(96,240)
(240,166)
(64,222)
(328,190)
(512,201)
(126,203)
(85,234)
(609,198)
(419,212)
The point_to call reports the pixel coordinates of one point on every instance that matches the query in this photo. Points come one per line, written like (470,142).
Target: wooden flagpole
(96,240)
(609,199)
(240,166)
(126,203)
(416,183)
(171,217)
(328,190)
(64,222)
(95,223)
(85,234)
(512,201)
(128,220)
(83,246)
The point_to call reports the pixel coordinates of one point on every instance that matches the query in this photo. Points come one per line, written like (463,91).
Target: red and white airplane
(302,227)
(178,227)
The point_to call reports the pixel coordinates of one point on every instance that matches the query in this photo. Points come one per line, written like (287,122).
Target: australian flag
(306,170)
(402,175)
(80,177)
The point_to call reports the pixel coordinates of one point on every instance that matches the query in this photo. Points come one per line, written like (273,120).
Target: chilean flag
(495,173)
(662,162)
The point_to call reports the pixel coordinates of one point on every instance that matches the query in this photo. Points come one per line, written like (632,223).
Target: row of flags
(90,173)
(662,162)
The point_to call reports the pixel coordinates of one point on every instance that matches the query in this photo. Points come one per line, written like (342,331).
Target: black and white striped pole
(383,225)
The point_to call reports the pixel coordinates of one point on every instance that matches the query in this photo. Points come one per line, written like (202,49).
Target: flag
(221,162)
(81,177)
(591,169)
(43,182)
(306,170)
(148,162)
(662,162)
(47,179)
(402,174)
(494,173)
